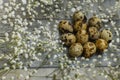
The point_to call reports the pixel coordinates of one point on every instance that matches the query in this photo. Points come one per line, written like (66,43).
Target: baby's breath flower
(3,77)
(27,77)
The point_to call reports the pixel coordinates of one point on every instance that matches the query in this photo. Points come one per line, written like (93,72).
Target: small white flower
(94,60)
(4,22)
(21,75)
(73,9)
(5,16)
(25,68)
(87,59)
(39,54)
(6,4)
(12,78)
(24,1)
(24,13)
(2,41)
(27,77)
(1,2)
(50,2)
(106,76)
(6,68)
(89,69)
(111,54)
(115,59)
(82,58)
(51,63)
(3,77)
(1,7)
(13,62)
(22,8)
(34,71)
(26,56)
(94,75)
(13,66)
(109,63)
(105,59)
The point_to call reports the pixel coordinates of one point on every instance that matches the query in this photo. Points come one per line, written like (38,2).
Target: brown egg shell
(106,35)
(101,45)
(76,50)
(79,16)
(89,49)
(94,34)
(65,26)
(82,36)
(68,38)
(79,25)
(95,22)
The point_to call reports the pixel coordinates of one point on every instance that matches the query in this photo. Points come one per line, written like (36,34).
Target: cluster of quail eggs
(82,37)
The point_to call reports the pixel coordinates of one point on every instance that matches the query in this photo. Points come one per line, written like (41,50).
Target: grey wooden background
(65,12)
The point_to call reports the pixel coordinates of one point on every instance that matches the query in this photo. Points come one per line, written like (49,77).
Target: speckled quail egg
(68,38)
(93,33)
(79,16)
(75,50)
(82,36)
(79,25)
(89,49)
(65,26)
(101,45)
(95,22)
(106,35)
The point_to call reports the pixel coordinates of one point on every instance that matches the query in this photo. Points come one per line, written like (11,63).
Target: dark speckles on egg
(106,35)
(95,21)
(65,27)
(89,49)
(101,44)
(93,33)
(82,36)
(79,16)
(68,38)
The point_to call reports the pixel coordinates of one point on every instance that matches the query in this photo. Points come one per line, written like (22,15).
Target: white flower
(94,60)
(115,59)
(34,71)
(27,77)
(1,7)
(6,68)
(50,2)
(73,9)
(13,62)
(6,4)
(106,76)
(15,49)
(21,75)
(25,68)
(4,16)
(12,78)
(4,22)
(51,63)
(2,41)
(22,8)
(6,38)
(24,1)
(13,66)
(3,77)
(24,13)
(1,2)
(26,56)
